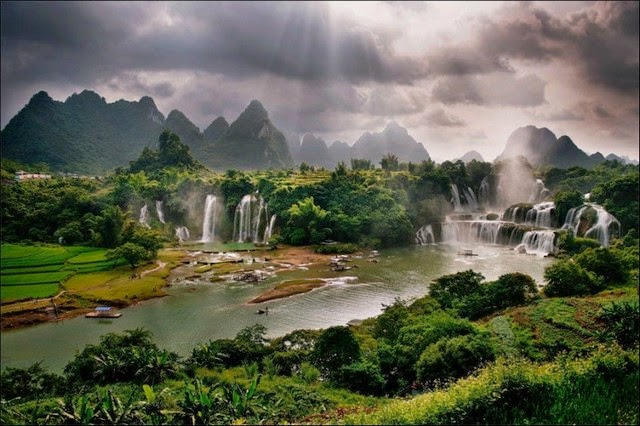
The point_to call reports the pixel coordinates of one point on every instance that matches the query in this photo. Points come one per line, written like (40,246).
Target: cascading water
(209,221)
(538,192)
(250,221)
(540,243)
(182,234)
(476,231)
(269,229)
(484,192)
(604,227)
(540,214)
(144,216)
(159,211)
(425,236)
(470,204)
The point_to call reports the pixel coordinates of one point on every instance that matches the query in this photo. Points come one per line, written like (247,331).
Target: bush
(567,278)
(512,290)
(29,382)
(454,357)
(606,263)
(336,347)
(621,323)
(364,377)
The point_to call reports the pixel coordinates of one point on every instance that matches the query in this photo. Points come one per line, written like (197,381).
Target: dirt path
(161,265)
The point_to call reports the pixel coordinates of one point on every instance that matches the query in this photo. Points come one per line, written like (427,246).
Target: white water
(425,236)
(209,221)
(540,243)
(540,214)
(144,216)
(484,192)
(475,231)
(250,220)
(182,233)
(470,201)
(159,211)
(269,229)
(605,227)
(538,192)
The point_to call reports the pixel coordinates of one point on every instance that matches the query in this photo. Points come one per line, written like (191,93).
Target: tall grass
(602,389)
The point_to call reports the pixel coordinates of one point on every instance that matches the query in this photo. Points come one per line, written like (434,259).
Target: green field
(35,271)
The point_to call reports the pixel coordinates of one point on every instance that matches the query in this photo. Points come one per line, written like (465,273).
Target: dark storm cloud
(288,39)
(602,41)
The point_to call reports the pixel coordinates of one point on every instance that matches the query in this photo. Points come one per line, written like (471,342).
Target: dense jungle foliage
(471,351)
(372,207)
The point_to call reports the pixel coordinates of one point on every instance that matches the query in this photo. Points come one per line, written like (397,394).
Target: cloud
(492,89)
(440,118)
(393,101)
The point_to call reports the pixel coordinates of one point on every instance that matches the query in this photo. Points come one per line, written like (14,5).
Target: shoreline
(73,303)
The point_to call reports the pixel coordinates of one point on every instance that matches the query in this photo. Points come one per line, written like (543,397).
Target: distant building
(21,175)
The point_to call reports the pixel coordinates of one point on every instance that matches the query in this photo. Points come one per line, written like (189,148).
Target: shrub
(364,377)
(567,278)
(336,347)
(606,263)
(454,357)
(512,290)
(621,323)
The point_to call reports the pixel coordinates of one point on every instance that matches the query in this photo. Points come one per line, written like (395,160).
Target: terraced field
(36,271)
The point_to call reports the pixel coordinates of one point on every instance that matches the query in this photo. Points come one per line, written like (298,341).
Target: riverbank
(119,287)
(289,288)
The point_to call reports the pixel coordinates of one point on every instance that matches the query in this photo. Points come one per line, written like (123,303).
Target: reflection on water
(194,314)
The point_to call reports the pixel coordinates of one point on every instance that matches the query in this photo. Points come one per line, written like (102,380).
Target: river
(197,313)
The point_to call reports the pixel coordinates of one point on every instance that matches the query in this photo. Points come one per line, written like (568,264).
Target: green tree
(606,263)
(512,290)
(361,164)
(450,288)
(390,162)
(131,252)
(567,278)
(620,196)
(336,347)
(454,357)
(307,224)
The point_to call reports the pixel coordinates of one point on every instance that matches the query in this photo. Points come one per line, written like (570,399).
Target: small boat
(262,311)
(103,312)
(467,253)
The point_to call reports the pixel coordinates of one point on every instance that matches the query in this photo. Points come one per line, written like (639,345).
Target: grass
(23,292)
(602,389)
(30,266)
(40,278)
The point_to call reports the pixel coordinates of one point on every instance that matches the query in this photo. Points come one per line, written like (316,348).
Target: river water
(197,313)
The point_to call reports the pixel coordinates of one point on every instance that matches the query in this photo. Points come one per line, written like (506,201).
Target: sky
(459,76)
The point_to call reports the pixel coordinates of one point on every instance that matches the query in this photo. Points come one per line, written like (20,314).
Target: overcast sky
(458,76)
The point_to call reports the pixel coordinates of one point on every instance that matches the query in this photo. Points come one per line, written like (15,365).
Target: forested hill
(85,134)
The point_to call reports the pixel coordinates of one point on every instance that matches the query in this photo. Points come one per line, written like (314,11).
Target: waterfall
(457,206)
(159,211)
(269,229)
(479,231)
(144,216)
(538,192)
(425,236)
(540,243)
(603,229)
(182,234)
(250,221)
(540,214)
(484,191)
(471,203)
(209,221)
